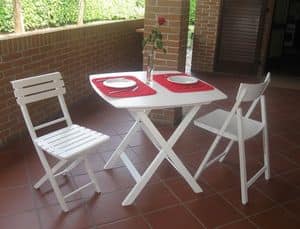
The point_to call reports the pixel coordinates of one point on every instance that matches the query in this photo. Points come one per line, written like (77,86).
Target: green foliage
(154,40)
(6,16)
(52,13)
(190,36)
(113,10)
(192,12)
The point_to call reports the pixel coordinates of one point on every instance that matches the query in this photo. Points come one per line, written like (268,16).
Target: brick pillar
(174,38)
(174,31)
(205,36)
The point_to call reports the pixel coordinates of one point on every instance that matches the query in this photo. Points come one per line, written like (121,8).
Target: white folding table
(139,107)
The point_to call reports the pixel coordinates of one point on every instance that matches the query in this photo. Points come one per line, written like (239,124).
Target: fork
(133,89)
(100,80)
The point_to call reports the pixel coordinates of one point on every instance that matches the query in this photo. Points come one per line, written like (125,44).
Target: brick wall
(76,52)
(175,39)
(174,31)
(205,36)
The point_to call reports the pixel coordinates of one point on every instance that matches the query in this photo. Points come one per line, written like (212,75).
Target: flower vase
(149,69)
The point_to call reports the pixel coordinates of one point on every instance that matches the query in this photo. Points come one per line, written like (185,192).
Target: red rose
(161,20)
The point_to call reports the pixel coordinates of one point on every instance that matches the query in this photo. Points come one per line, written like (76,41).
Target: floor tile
(96,162)
(15,200)
(115,179)
(292,177)
(220,177)
(76,218)
(279,144)
(175,217)
(292,136)
(278,190)
(280,164)
(110,145)
(26,220)
(14,175)
(257,201)
(119,163)
(276,218)
(213,211)
(140,138)
(123,127)
(45,196)
(242,224)
(294,155)
(254,160)
(293,207)
(144,153)
(149,200)
(108,208)
(132,223)
(184,192)
(167,171)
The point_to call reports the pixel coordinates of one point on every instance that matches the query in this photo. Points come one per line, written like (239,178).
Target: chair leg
(52,180)
(265,138)
(91,174)
(242,157)
(243,172)
(44,178)
(226,151)
(266,154)
(207,156)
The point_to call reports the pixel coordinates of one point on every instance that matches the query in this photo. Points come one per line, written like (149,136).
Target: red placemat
(175,87)
(142,90)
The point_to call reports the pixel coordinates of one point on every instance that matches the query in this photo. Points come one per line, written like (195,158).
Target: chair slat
(57,139)
(39,88)
(49,123)
(29,81)
(75,143)
(57,132)
(41,96)
(63,143)
(89,144)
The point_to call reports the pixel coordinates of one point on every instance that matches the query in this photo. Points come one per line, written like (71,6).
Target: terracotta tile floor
(167,201)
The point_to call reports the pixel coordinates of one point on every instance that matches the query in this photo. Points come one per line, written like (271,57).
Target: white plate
(181,79)
(119,83)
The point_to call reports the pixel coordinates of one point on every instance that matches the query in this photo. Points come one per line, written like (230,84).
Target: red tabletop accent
(175,87)
(142,90)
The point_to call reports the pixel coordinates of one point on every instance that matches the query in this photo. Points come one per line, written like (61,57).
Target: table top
(162,99)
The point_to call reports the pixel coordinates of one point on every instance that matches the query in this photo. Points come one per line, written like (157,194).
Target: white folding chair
(238,128)
(69,145)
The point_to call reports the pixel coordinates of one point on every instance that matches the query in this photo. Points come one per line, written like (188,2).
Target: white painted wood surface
(237,128)
(70,145)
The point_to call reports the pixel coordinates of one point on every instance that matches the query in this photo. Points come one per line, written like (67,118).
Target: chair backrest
(250,92)
(247,93)
(37,88)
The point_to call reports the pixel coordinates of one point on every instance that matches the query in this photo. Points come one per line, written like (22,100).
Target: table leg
(167,145)
(135,191)
(166,152)
(146,131)
(124,143)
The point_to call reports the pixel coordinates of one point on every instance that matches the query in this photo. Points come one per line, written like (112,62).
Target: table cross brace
(166,152)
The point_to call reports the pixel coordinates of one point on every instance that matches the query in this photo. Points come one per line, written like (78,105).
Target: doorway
(284,45)
(240,36)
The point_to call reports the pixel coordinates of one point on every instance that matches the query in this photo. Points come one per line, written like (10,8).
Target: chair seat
(70,141)
(213,122)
